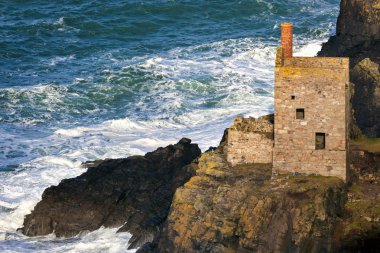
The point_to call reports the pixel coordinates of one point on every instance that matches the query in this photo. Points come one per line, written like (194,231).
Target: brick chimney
(287,39)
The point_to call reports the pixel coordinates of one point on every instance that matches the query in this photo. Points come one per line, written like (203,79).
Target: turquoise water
(82,80)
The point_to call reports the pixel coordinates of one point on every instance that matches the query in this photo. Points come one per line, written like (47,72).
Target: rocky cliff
(358,37)
(359,228)
(134,193)
(239,209)
(357,31)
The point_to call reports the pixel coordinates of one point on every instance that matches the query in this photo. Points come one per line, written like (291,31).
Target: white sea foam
(60,21)
(101,240)
(310,50)
(76,132)
(58,59)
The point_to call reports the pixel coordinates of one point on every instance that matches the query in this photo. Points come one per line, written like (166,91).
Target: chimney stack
(287,39)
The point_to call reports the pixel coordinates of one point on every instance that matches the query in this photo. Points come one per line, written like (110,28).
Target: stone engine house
(311,112)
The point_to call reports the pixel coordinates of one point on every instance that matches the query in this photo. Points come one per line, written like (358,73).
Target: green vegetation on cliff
(368,144)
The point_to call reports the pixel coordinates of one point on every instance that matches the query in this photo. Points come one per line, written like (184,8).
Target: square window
(293,97)
(320,141)
(300,113)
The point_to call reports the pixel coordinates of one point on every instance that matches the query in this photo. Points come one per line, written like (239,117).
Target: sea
(83,80)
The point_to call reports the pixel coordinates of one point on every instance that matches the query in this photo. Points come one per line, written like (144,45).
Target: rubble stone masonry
(318,88)
(250,140)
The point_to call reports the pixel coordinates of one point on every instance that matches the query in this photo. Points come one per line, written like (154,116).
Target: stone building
(250,140)
(311,108)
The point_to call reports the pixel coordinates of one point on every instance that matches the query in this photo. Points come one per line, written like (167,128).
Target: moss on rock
(240,209)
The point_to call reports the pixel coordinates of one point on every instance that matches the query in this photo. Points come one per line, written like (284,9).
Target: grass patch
(303,184)
(355,188)
(368,144)
(365,215)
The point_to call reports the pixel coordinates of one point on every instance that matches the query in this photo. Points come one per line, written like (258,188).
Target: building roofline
(317,62)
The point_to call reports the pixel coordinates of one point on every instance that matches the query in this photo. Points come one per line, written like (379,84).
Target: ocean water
(84,80)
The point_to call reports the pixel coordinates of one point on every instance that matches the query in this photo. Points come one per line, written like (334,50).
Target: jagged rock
(354,131)
(135,192)
(366,100)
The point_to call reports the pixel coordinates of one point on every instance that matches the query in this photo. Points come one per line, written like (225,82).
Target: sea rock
(134,193)
(366,99)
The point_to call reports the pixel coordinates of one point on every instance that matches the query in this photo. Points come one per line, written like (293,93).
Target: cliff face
(358,37)
(242,208)
(239,209)
(357,32)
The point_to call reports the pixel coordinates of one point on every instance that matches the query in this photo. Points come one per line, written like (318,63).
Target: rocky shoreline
(133,193)
(176,199)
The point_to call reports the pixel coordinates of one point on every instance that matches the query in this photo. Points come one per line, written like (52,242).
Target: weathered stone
(311,96)
(250,140)
(357,33)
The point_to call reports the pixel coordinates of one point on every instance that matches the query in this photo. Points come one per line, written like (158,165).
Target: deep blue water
(84,80)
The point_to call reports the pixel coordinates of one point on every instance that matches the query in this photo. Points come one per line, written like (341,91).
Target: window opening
(320,141)
(300,113)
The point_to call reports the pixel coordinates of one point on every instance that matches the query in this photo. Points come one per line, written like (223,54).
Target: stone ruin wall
(320,87)
(250,140)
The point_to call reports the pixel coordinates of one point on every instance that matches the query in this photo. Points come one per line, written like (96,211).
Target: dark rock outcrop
(134,193)
(358,37)
(357,32)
